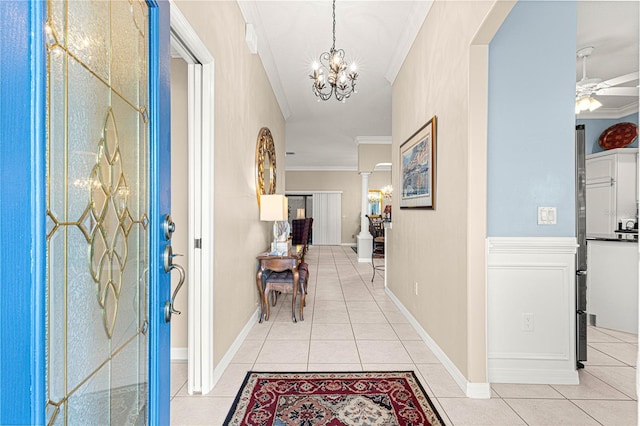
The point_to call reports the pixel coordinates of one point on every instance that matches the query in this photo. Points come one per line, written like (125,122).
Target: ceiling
(611,27)
(377,35)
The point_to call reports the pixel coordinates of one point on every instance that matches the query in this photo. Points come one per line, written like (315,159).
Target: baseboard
(541,377)
(471,390)
(478,390)
(233,349)
(179,354)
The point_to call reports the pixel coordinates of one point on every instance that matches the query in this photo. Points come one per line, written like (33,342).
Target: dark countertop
(624,237)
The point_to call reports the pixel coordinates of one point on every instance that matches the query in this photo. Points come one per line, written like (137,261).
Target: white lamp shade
(587,103)
(584,103)
(300,214)
(273,207)
(594,104)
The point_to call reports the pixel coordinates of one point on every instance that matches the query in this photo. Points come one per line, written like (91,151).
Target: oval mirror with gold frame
(265,164)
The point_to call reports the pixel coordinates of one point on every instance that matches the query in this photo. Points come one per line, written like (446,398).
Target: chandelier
(332,75)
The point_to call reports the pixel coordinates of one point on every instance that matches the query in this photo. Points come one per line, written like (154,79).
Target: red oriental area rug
(332,399)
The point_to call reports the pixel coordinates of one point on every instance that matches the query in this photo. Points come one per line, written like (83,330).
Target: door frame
(201,285)
(478,118)
(160,204)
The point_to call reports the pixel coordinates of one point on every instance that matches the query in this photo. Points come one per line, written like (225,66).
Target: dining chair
(376,228)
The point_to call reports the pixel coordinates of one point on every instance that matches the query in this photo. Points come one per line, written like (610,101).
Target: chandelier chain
(333,46)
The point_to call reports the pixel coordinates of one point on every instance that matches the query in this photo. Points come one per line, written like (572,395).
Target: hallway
(352,325)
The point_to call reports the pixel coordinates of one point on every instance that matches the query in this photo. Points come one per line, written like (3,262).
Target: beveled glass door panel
(97,212)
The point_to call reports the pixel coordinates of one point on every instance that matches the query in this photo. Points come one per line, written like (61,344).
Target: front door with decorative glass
(98,333)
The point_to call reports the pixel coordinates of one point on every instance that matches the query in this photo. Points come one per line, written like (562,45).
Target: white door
(327,218)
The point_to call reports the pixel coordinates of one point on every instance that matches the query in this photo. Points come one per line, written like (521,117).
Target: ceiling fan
(587,87)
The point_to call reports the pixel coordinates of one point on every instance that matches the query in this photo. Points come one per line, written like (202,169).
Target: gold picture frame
(265,164)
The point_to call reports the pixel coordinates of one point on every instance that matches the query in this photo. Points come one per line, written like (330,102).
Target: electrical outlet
(527,322)
(415,288)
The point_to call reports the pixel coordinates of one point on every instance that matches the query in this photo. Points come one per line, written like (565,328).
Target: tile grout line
(514,411)
(611,386)
(579,408)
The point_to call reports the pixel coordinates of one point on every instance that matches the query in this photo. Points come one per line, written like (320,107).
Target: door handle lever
(168,267)
(169,308)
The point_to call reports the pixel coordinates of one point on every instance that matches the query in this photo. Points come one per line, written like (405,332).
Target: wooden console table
(268,263)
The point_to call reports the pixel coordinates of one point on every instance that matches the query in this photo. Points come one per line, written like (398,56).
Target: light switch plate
(547,216)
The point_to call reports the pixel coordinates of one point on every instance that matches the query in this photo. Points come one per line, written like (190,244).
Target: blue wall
(593,128)
(531,150)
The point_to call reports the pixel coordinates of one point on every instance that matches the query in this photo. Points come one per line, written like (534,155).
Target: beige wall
(179,194)
(244,102)
(371,154)
(430,246)
(350,183)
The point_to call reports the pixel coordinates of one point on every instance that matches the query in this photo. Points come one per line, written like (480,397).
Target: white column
(365,239)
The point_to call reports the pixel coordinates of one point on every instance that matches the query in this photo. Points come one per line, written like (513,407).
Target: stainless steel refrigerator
(581,255)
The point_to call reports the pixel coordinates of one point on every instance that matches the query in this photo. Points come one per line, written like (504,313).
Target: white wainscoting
(531,310)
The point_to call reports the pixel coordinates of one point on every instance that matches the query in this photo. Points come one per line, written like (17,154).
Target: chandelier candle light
(387,191)
(334,71)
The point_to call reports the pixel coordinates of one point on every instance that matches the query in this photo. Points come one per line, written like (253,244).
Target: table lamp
(275,207)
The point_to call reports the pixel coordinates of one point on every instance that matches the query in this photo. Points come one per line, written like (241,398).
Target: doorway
(193,176)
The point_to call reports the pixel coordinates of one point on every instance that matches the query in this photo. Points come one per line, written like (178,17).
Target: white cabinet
(611,189)
(612,284)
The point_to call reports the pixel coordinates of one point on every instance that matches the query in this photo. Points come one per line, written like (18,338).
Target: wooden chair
(376,228)
(310,219)
(282,282)
(301,233)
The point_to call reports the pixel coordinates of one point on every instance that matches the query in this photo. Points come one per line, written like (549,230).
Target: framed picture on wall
(418,168)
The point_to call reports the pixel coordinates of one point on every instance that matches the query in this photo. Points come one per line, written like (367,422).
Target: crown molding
(252,17)
(420,12)
(609,113)
(382,167)
(320,169)
(372,140)
(310,192)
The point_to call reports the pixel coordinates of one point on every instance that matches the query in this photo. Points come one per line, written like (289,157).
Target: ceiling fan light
(594,104)
(584,103)
(577,108)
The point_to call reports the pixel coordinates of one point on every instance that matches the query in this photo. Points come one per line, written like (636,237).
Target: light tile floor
(352,325)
